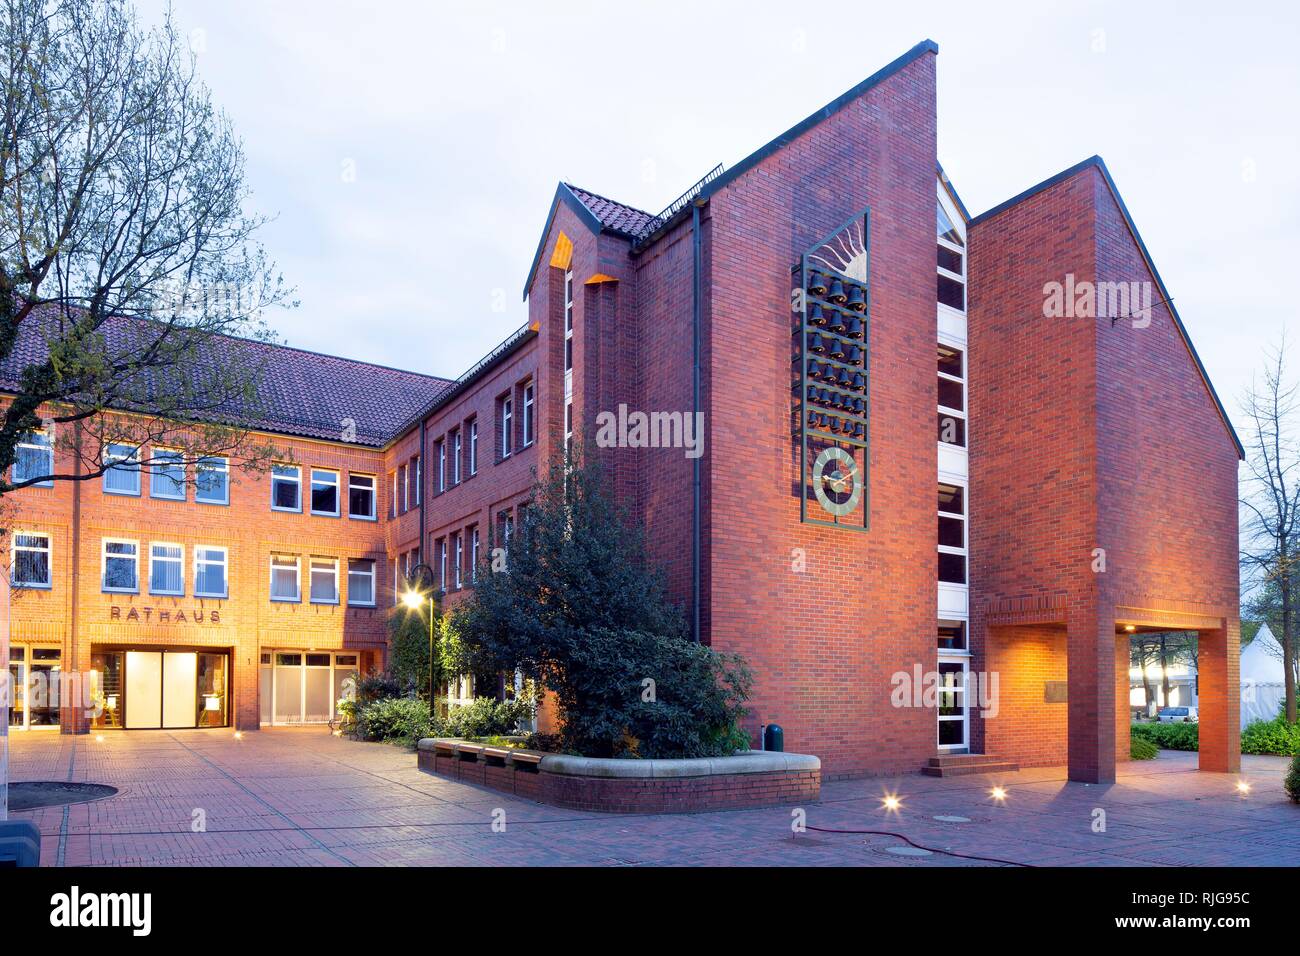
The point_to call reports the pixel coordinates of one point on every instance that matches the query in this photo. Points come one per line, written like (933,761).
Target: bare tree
(131,290)
(1272,500)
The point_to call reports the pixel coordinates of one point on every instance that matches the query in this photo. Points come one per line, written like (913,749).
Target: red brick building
(817,309)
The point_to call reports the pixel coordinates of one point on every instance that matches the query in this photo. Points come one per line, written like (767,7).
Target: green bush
(1292,779)
(1271,737)
(486,717)
(376,686)
(395,718)
(1170,736)
(1139,748)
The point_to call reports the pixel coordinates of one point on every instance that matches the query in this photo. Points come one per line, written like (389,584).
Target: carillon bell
(836,292)
(816,315)
(839,350)
(855,328)
(860,431)
(859,381)
(857,301)
(816,282)
(814,370)
(816,344)
(839,324)
(854,355)
(842,378)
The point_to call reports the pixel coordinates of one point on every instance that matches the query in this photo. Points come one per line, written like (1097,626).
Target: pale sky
(410,150)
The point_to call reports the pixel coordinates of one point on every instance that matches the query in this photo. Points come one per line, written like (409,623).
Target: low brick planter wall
(753,779)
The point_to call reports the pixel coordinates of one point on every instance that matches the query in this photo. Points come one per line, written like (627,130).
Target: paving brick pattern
(300,797)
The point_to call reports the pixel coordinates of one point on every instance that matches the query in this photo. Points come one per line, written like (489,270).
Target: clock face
(837,481)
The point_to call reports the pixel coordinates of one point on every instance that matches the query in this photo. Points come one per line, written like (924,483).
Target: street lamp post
(414,599)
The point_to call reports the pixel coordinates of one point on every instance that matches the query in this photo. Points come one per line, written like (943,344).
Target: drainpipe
(423,469)
(696,293)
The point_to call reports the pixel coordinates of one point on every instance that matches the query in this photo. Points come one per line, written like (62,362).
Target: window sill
(122,494)
(201,501)
(153,497)
(286,600)
(324,514)
(213,597)
(363,517)
(31,587)
(360,604)
(293,511)
(333,603)
(153,593)
(120,590)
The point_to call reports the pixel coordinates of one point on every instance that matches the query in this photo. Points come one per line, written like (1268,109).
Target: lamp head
(413,599)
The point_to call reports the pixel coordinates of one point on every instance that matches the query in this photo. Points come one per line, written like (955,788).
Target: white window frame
(964,550)
(179,561)
(374,495)
(960,226)
(296,479)
(568,334)
(473,446)
(529,411)
(473,554)
(216,464)
(158,475)
(337,490)
(371,564)
(48,551)
(133,457)
(442,564)
(416,478)
(507,425)
(442,464)
(459,538)
(103,565)
(41,440)
(297,577)
(965,398)
(199,559)
(318,563)
(456,451)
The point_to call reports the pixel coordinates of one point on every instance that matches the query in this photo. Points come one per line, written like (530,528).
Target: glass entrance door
(34,673)
(954,722)
(301,687)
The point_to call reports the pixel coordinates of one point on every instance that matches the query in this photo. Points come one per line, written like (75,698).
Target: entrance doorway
(303,687)
(954,710)
(169,690)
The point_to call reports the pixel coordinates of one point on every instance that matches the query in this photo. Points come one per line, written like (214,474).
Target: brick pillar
(245,670)
(1090,642)
(1123,720)
(1219,664)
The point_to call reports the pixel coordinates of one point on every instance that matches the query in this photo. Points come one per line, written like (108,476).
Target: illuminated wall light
(1130,628)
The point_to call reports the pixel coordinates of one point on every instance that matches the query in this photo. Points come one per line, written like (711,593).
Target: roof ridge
(617,202)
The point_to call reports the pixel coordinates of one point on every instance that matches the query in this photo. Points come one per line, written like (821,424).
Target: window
(952,534)
(455,568)
(473,446)
(528,414)
(286,488)
(413,476)
(361,496)
(952,396)
(324,583)
(324,492)
(952,636)
(361,582)
(442,465)
(34,458)
(568,429)
(284,577)
(473,554)
(505,528)
(568,333)
(442,563)
(403,487)
(167,474)
(123,474)
(166,569)
(455,460)
(212,481)
(121,566)
(951,263)
(31,568)
(507,426)
(209,571)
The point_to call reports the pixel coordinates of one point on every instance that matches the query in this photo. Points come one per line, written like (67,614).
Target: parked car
(1179,715)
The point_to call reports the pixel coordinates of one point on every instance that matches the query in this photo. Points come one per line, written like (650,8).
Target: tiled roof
(299,392)
(615,216)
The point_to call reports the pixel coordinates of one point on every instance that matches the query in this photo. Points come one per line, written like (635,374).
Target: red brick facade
(1083,435)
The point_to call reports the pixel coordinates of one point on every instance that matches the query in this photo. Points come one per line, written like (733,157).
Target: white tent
(1263,682)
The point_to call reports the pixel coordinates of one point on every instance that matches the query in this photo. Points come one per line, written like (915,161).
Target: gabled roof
(601,214)
(300,393)
(1096,162)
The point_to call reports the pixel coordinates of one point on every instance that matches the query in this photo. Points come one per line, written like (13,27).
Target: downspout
(423,470)
(696,293)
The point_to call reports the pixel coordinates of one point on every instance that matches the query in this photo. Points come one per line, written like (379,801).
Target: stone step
(955,760)
(958,765)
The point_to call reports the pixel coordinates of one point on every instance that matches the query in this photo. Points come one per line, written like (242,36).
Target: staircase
(957,765)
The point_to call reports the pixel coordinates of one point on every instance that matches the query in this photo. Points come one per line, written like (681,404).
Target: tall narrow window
(284,577)
(528,414)
(952,395)
(286,488)
(324,492)
(34,458)
(123,474)
(456,563)
(442,564)
(442,465)
(324,583)
(361,496)
(473,553)
(952,263)
(31,560)
(952,534)
(507,426)
(361,582)
(568,430)
(456,452)
(121,565)
(210,571)
(473,446)
(166,568)
(568,333)
(413,472)
(212,481)
(167,474)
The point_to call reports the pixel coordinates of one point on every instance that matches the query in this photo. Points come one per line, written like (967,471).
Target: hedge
(1259,737)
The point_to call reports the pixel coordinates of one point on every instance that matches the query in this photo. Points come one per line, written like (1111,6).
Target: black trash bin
(774,738)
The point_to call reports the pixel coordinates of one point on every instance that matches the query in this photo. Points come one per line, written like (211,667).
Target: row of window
(323,492)
(121,560)
(457,453)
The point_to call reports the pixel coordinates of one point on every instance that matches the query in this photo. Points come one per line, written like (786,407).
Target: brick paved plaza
(300,797)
